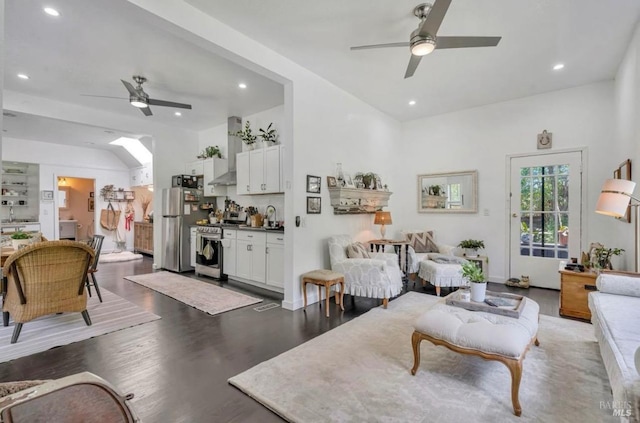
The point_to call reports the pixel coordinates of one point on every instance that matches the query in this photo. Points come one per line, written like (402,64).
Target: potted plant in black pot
(471,247)
(471,271)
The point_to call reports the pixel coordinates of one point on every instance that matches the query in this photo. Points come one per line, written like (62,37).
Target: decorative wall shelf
(358,201)
(120,196)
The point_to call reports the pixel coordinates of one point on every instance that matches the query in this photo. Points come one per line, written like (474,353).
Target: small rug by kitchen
(201,295)
(46,332)
(119,257)
(360,372)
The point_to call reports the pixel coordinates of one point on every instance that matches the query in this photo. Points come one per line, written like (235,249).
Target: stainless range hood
(234,146)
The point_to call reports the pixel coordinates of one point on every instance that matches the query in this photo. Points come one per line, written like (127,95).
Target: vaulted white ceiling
(588,36)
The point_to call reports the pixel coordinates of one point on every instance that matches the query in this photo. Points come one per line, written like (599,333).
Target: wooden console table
(574,292)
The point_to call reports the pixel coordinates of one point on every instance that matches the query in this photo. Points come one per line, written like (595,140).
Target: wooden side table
(399,246)
(574,292)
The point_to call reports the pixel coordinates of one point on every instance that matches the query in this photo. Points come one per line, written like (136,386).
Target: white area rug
(118,257)
(360,372)
(46,332)
(201,295)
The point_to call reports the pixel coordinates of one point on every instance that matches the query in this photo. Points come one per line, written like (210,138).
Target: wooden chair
(46,278)
(96,245)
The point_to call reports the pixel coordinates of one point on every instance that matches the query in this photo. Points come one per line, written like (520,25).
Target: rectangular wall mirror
(453,192)
(63,198)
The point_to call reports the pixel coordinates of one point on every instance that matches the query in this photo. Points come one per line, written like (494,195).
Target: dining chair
(96,245)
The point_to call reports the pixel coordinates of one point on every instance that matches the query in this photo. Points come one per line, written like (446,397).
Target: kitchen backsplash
(259,201)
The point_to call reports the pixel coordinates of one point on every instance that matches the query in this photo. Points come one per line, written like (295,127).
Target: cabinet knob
(247,188)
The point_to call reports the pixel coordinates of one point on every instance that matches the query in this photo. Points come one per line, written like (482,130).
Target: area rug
(359,372)
(201,295)
(119,257)
(46,332)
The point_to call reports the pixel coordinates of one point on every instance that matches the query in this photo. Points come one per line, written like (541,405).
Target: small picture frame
(91,194)
(92,204)
(313,184)
(314,205)
(47,195)
(332,182)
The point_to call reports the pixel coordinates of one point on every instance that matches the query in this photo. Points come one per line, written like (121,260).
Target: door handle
(247,188)
(514,215)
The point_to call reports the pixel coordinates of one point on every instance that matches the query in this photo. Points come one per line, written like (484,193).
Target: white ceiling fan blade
(462,42)
(413,64)
(380,46)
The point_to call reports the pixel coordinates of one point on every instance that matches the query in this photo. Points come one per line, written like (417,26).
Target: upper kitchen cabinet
(213,168)
(259,171)
(141,176)
(195,167)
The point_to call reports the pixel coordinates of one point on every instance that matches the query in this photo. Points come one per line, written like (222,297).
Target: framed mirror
(454,192)
(63,198)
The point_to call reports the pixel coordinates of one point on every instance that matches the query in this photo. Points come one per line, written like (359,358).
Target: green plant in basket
(472,244)
(472,272)
(20,235)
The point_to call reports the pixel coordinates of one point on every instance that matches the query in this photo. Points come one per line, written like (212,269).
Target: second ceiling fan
(424,39)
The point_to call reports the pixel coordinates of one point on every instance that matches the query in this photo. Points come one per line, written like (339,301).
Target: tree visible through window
(544,214)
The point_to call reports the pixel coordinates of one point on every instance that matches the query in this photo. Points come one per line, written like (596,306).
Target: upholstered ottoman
(447,272)
(488,335)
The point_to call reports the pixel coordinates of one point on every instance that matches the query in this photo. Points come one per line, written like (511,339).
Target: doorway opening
(76,208)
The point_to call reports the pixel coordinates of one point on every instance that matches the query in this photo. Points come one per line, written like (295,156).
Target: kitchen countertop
(241,227)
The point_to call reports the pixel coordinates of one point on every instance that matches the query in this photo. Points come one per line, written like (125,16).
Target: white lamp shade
(615,197)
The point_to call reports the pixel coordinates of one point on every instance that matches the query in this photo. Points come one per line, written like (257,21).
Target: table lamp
(614,199)
(382,218)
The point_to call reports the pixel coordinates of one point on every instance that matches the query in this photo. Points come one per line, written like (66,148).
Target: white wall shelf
(358,201)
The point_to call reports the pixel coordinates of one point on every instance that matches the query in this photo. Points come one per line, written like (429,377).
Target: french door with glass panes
(545,215)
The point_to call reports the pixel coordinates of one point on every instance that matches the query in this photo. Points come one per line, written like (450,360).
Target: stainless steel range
(209,252)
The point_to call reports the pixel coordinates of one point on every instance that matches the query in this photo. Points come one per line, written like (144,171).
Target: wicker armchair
(46,278)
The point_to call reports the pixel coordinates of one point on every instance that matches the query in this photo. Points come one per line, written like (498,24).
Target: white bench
(488,335)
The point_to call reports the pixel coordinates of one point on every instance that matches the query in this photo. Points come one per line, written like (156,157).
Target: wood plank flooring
(178,366)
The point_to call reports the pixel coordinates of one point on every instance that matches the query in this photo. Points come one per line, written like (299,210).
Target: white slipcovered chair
(375,277)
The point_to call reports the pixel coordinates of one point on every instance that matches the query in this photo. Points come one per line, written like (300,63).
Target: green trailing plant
(471,244)
(472,272)
(246,135)
(269,135)
(210,151)
(20,235)
(603,256)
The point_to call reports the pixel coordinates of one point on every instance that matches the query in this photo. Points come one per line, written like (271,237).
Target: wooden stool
(326,278)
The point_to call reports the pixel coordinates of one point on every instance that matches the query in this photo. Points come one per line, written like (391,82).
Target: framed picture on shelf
(314,205)
(313,184)
(331,182)
(92,204)
(47,195)
(91,194)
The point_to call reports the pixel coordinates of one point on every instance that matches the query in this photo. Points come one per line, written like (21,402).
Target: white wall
(78,162)
(626,138)
(481,138)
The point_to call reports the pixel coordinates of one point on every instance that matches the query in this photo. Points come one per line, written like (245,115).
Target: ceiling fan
(424,39)
(141,100)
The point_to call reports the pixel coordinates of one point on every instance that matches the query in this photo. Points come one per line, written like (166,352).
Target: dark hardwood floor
(178,366)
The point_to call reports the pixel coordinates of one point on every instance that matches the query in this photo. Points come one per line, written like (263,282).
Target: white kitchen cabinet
(141,175)
(242,174)
(213,168)
(193,245)
(195,167)
(251,255)
(275,259)
(259,171)
(229,255)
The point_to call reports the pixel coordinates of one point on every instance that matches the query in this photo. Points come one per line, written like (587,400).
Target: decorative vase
(16,243)
(469,252)
(478,291)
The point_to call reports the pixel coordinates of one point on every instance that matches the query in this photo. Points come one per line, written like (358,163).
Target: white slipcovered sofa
(375,277)
(615,314)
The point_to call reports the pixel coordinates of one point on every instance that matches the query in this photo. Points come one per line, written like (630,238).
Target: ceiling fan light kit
(424,39)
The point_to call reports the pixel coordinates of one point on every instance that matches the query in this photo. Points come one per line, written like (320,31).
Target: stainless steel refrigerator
(180,209)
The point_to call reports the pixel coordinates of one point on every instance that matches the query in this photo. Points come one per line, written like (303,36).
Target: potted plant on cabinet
(246,135)
(471,247)
(19,238)
(471,271)
(210,151)
(269,135)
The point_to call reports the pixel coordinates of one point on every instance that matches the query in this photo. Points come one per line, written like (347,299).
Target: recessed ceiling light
(242,85)
(558,66)
(23,76)
(412,103)
(178,114)
(51,11)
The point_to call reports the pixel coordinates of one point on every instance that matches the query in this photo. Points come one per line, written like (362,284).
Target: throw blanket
(444,259)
